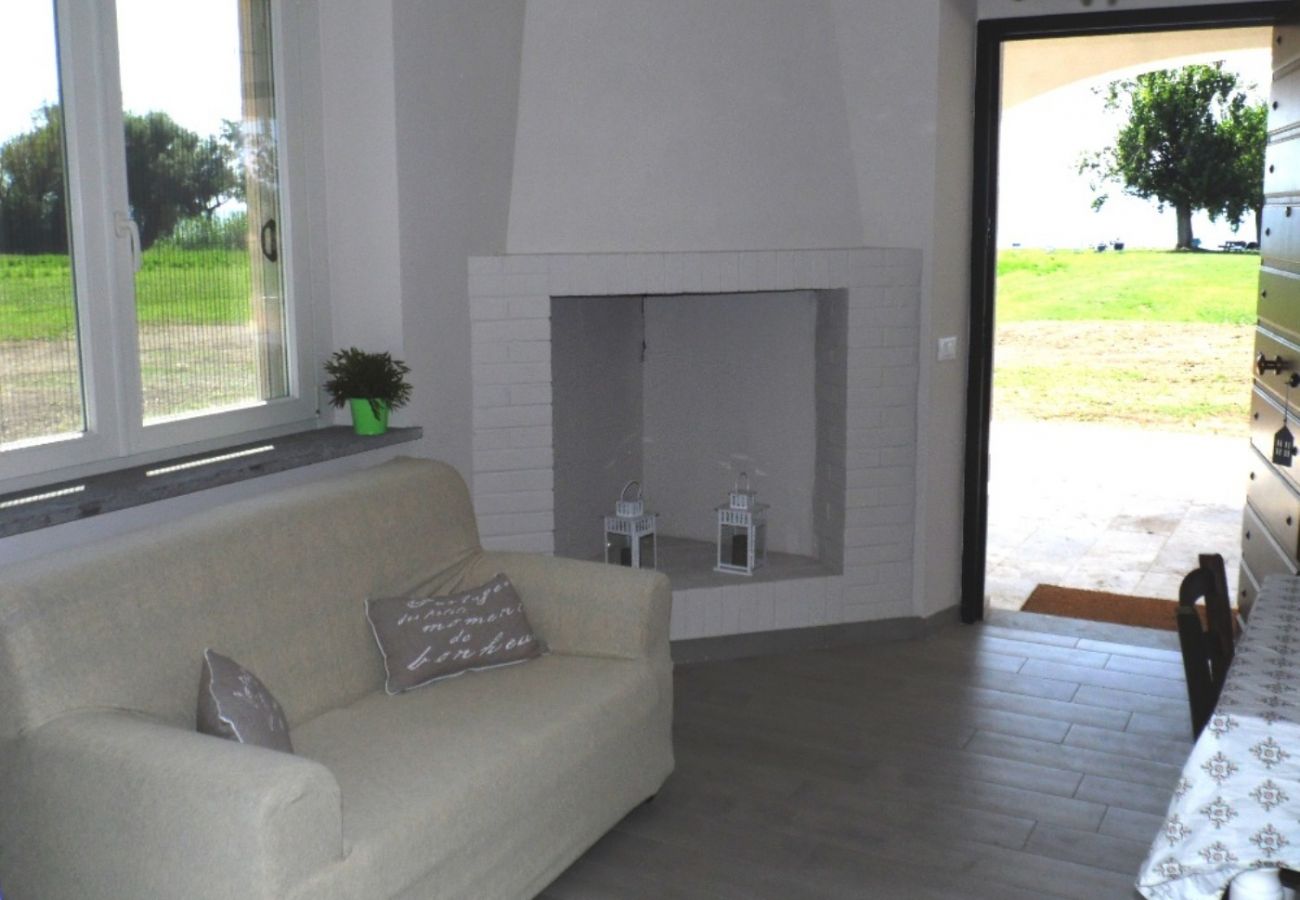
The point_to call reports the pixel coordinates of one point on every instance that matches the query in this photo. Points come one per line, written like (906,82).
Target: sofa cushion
(424,639)
(485,776)
(234,704)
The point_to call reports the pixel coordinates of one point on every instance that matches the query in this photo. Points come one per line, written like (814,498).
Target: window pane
(40,369)
(202,184)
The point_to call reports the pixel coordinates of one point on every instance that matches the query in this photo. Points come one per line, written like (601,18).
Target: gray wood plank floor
(1015,759)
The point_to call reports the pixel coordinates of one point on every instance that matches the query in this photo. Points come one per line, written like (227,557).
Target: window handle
(270,241)
(125,227)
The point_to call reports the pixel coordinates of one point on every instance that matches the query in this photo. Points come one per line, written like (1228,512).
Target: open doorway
(1110,388)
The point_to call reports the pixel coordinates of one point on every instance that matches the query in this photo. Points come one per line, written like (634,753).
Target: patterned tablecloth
(1237,804)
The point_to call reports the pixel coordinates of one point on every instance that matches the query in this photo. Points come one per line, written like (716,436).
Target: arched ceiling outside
(1034,67)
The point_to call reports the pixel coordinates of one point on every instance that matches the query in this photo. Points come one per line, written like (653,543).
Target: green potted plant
(372,384)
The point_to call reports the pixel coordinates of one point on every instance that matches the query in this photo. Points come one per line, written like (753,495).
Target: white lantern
(630,533)
(742,531)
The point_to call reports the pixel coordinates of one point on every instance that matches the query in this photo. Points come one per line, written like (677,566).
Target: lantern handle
(623,494)
(744,475)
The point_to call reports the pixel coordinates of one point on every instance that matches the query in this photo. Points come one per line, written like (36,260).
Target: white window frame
(115,435)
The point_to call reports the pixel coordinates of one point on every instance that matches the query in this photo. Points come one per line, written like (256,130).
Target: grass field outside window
(206,344)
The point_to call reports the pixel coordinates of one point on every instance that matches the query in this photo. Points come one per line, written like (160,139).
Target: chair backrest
(1207,649)
(1202,692)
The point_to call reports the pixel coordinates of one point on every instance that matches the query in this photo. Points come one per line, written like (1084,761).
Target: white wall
(681,125)
(359,145)
(457,82)
(419,102)
(729,382)
(909,73)
(945,307)
(887,61)
(597,390)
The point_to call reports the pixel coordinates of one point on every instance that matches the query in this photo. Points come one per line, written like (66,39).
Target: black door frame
(990,36)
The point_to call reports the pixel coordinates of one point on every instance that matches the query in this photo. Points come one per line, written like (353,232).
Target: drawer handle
(1263,364)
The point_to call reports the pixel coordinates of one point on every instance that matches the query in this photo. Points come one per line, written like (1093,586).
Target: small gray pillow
(425,639)
(234,704)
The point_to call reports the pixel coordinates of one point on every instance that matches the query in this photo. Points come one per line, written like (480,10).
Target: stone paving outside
(1107,508)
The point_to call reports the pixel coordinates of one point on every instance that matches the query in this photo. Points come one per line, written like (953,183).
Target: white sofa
(483,786)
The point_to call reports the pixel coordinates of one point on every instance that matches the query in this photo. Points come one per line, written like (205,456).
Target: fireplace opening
(565,400)
(683,393)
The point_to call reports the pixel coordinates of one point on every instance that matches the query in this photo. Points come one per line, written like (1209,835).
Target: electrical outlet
(947,348)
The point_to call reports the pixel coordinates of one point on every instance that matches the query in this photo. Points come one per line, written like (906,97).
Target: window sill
(82,498)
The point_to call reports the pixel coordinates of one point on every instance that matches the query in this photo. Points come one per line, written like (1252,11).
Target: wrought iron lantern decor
(630,533)
(742,531)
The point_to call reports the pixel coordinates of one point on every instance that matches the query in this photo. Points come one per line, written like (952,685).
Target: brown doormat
(1100,606)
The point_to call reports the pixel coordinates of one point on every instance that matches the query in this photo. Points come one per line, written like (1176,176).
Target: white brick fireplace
(863,487)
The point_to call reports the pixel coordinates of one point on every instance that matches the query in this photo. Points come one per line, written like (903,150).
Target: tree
(250,152)
(172,174)
(33,216)
(1248,131)
(1192,140)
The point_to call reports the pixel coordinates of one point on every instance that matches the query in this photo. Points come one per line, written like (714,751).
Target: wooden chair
(1207,648)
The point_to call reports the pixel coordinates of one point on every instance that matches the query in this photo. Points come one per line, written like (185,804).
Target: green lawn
(1139,338)
(1130,285)
(190,287)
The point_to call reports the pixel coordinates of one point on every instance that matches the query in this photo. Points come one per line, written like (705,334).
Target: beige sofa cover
(483,786)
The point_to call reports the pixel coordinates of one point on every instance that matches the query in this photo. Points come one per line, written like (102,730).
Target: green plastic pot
(364,420)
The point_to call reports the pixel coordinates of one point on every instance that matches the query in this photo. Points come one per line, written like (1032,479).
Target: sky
(159,49)
(1043,202)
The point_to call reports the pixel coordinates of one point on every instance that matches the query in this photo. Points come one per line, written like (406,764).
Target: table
(1236,807)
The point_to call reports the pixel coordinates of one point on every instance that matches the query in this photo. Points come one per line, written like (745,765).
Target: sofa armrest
(589,609)
(111,804)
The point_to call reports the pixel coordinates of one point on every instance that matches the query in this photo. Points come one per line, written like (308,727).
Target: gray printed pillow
(234,704)
(424,639)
